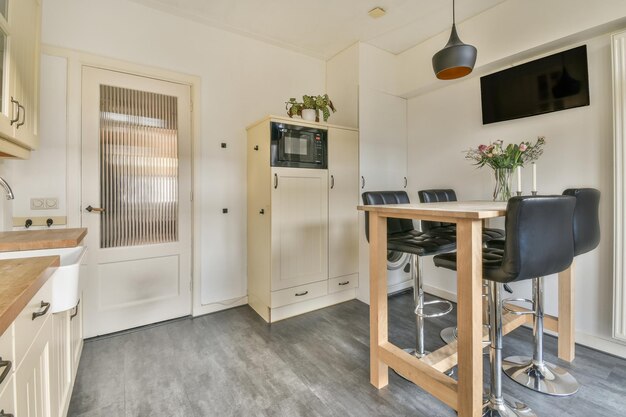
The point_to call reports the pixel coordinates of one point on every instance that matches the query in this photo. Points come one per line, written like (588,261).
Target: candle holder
(533,192)
(518,193)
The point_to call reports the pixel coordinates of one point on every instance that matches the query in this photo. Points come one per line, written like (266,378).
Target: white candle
(534,177)
(519,179)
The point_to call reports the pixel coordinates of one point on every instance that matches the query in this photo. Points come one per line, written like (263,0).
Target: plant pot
(309,114)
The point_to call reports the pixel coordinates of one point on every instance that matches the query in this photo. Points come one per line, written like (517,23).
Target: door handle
(23,115)
(45,306)
(362,182)
(332,182)
(406,182)
(13,101)
(96,209)
(275,181)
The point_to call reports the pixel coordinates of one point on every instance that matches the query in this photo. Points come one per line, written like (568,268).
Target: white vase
(309,114)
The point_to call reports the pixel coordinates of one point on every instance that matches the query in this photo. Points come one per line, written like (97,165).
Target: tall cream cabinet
(20,22)
(303,239)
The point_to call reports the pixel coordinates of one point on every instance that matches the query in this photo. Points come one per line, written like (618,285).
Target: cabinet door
(25,24)
(61,371)
(32,379)
(8,110)
(383,140)
(343,198)
(299,226)
(7,397)
(76,335)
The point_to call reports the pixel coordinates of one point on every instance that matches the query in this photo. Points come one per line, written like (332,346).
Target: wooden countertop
(20,279)
(41,239)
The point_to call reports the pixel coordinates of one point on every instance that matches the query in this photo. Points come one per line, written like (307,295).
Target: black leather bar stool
(402,237)
(449,334)
(535,373)
(539,242)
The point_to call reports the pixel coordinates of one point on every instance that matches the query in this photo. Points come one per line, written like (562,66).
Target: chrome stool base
(509,407)
(547,379)
(449,335)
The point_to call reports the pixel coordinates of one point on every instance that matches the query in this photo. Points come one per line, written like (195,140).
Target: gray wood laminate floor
(232,363)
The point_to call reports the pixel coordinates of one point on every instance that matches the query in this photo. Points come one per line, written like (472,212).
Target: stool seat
(496,244)
(421,244)
(492,263)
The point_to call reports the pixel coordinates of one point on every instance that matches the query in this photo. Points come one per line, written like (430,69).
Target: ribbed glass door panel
(138,167)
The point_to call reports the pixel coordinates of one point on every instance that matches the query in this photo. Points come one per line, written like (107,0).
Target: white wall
(445,122)
(513,28)
(241,81)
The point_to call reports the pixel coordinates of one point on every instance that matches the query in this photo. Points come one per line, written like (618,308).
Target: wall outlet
(44,203)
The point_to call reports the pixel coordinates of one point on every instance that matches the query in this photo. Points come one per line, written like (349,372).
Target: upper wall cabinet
(20,22)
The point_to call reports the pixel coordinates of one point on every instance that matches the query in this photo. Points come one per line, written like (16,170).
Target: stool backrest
(435,196)
(539,236)
(394,226)
(586,219)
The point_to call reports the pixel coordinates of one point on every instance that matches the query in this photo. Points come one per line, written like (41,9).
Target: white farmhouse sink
(65,278)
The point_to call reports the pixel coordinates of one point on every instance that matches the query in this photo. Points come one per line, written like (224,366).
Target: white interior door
(136,189)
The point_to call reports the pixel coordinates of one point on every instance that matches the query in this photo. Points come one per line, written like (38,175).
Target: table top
(446,210)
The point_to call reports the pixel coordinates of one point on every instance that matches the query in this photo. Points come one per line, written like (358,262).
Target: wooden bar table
(465,396)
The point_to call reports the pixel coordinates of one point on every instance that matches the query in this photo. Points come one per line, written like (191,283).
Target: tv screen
(556,82)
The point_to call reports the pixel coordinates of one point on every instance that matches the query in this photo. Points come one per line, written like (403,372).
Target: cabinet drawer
(343,283)
(6,355)
(299,293)
(7,396)
(25,327)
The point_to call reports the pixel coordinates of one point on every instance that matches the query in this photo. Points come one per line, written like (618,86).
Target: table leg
(379,371)
(469,318)
(566,328)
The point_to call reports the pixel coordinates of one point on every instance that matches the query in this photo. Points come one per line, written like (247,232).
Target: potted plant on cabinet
(310,107)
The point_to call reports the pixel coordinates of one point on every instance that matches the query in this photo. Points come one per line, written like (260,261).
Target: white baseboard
(219,306)
(610,346)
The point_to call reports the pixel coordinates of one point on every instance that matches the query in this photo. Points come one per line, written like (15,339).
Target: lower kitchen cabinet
(34,391)
(7,397)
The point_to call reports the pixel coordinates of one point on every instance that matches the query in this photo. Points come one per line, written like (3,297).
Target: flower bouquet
(503,160)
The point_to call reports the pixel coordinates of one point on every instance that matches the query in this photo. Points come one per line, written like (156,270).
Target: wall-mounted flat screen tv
(556,82)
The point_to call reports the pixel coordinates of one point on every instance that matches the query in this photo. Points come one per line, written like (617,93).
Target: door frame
(76,60)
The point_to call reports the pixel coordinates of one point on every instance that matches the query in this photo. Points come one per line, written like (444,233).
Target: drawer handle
(300,294)
(45,306)
(74,314)
(17,118)
(3,414)
(344,283)
(23,117)
(7,368)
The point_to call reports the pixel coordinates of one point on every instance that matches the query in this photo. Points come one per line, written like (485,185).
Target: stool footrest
(507,301)
(420,311)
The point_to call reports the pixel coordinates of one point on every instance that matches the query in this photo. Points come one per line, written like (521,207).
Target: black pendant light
(456,59)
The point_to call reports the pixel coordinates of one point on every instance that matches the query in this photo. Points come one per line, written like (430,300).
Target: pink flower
(482,148)
(523,147)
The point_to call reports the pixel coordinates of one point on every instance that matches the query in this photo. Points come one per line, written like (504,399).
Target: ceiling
(322,28)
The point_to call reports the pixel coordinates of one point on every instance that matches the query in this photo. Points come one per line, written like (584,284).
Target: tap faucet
(7,189)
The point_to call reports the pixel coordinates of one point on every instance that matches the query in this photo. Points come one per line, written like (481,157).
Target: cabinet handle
(332,182)
(300,294)
(23,116)
(45,306)
(344,283)
(406,182)
(275,181)
(3,414)
(13,101)
(7,368)
(362,182)
(262,211)
(256,147)
(74,314)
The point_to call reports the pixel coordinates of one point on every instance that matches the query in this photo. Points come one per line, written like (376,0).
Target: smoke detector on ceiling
(377,12)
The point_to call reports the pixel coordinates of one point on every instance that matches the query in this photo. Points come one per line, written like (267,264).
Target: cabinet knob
(262,211)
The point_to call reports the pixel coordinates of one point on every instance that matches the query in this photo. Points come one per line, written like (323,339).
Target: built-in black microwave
(298,146)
